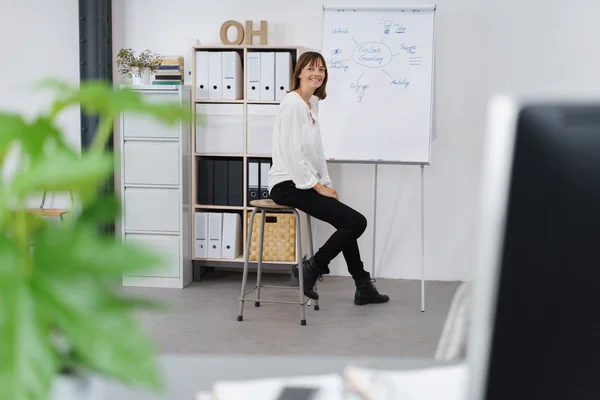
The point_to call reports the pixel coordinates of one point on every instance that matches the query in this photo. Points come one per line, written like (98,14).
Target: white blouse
(297,147)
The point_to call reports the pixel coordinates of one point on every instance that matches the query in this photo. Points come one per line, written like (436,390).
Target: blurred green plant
(61,307)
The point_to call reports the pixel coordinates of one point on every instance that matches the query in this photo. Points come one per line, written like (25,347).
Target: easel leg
(374,222)
(422,238)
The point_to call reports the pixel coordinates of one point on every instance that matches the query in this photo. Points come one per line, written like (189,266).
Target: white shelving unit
(248,136)
(154,186)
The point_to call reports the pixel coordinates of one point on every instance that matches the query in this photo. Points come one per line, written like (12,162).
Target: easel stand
(375,181)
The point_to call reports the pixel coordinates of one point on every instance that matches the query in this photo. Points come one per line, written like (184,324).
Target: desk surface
(187,374)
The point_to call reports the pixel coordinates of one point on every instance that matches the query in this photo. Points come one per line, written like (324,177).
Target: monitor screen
(543,339)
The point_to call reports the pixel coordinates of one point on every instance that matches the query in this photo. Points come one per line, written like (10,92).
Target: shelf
(240,259)
(204,101)
(274,102)
(251,118)
(258,156)
(240,155)
(214,207)
(221,101)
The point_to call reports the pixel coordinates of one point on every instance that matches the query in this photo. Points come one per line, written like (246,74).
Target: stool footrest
(253,288)
(276,301)
(279,287)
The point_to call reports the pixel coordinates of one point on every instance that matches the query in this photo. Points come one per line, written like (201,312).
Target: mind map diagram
(366,57)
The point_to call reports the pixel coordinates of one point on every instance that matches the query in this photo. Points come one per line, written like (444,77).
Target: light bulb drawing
(387,25)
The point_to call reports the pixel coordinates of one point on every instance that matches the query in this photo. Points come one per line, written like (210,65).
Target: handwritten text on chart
(400,82)
(339,31)
(360,89)
(408,49)
(372,55)
(400,28)
(337,64)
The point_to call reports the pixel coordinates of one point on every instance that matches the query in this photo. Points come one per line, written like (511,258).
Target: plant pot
(142,77)
(73,387)
(137,78)
(146,76)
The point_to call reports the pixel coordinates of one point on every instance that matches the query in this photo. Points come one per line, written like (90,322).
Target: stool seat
(47,212)
(268,203)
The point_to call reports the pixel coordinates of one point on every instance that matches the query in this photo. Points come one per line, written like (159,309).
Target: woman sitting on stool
(299,179)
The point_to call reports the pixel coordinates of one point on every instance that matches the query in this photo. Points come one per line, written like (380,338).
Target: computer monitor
(535,330)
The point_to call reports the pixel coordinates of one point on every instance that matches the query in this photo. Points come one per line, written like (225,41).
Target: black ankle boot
(367,293)
(310,274)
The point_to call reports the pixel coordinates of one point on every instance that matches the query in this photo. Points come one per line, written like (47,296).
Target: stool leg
(260,256)
(245,273)
(311,252)
(300,272)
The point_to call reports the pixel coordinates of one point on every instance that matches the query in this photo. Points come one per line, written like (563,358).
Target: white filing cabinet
(154,186)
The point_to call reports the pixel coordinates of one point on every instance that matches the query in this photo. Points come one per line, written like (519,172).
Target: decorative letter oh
(249,34)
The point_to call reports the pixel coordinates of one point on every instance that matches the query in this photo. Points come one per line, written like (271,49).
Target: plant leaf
(104,337)
(79,249)
(101,210)
(98,97)
(27,359)
(65,172)
(11,127)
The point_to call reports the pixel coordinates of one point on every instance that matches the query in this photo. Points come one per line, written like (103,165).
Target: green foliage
(131,64)
(61,307)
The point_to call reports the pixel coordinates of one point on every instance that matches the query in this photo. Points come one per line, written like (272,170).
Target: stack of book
(169,72)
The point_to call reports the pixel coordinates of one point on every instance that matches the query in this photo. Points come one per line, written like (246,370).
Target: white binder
(215,75)
(201,75)
(215,229)
(233,78)
(253,84)
(231,241)
(201,235)
(283,74)
(267,76)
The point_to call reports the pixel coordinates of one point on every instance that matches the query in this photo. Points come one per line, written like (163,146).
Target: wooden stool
(48,212)
(269,206)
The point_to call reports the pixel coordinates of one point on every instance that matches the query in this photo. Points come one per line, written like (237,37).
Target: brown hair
(310,58)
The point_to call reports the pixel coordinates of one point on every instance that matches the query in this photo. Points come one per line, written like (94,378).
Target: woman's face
(312,75)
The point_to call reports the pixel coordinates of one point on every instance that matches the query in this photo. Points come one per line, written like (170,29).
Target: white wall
(39,39)
(482,47)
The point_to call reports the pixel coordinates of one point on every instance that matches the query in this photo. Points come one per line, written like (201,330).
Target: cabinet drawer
(223,131)
(149,209)
(139,125)
(260,128)
(168,247)
(155,163)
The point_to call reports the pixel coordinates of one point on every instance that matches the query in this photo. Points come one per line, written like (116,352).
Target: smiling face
(311,73)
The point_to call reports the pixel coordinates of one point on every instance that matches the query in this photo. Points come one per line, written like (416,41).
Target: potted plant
(138,67)
(63,315)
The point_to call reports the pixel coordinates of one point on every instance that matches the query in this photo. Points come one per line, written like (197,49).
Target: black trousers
(350,225)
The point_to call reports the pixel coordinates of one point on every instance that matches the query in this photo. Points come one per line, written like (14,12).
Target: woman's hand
(326,191)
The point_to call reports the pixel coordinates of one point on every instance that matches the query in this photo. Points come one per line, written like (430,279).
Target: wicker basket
(280,237)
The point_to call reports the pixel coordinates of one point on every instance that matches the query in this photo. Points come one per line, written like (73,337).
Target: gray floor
(202,318)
